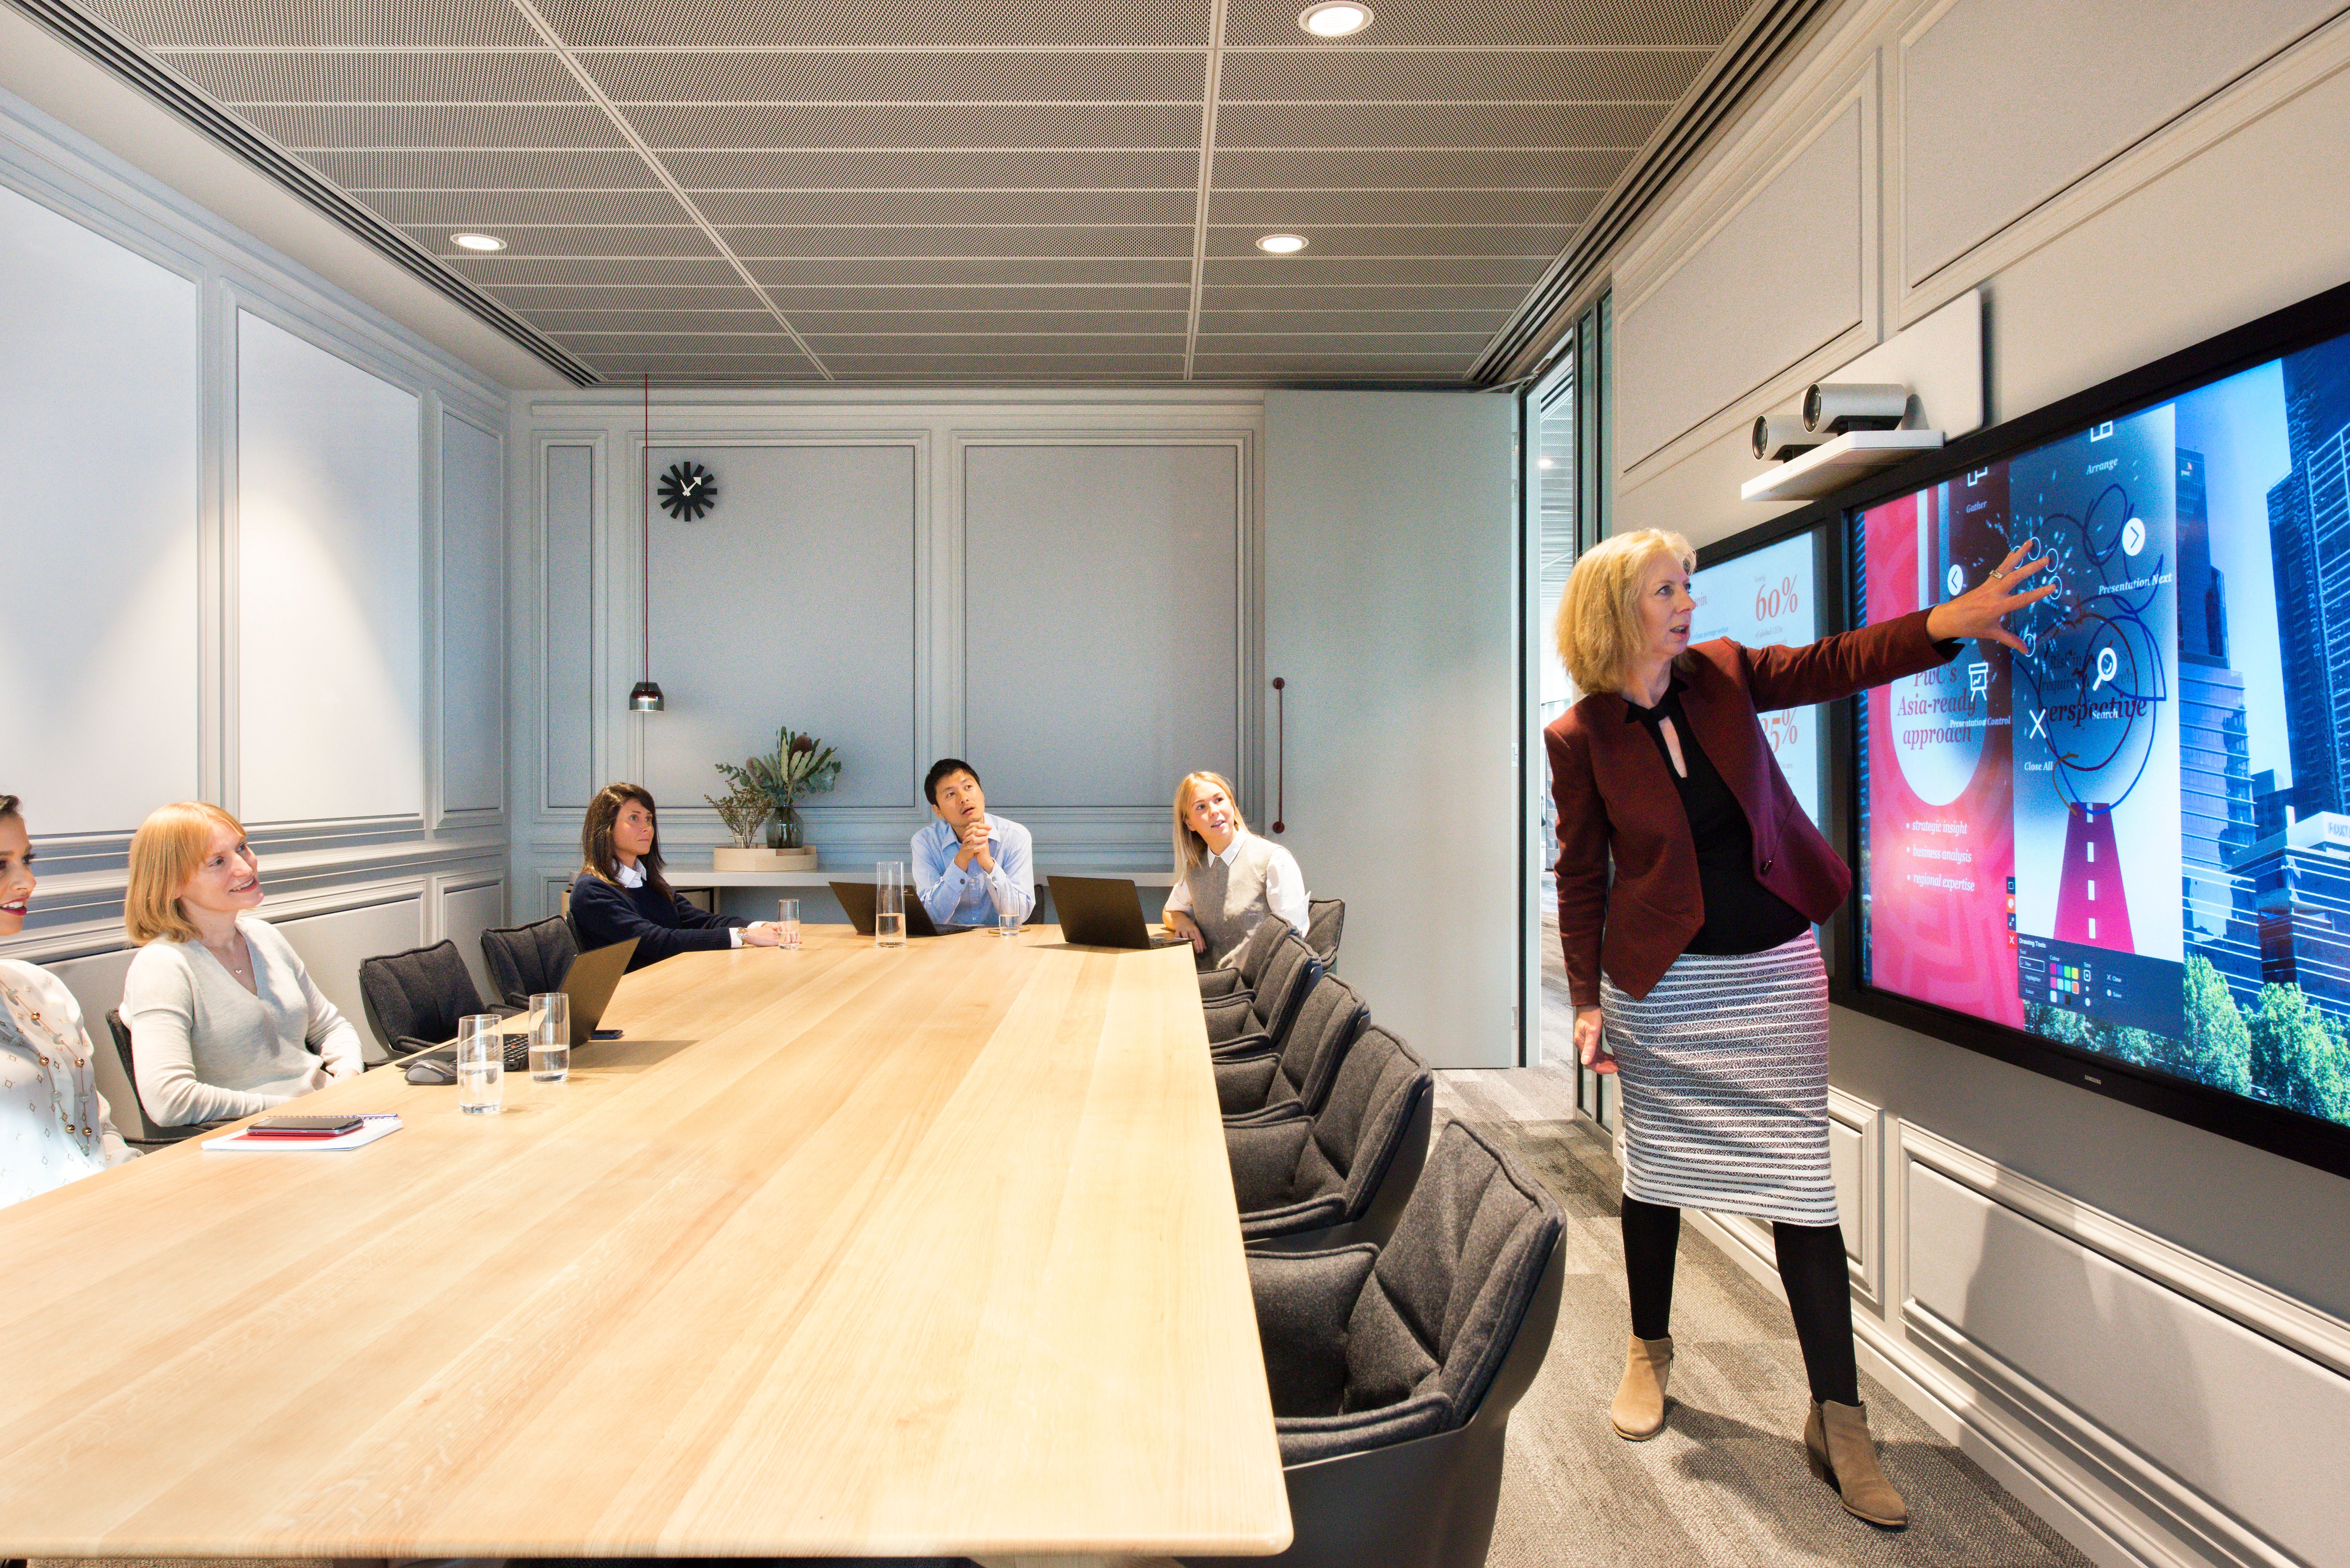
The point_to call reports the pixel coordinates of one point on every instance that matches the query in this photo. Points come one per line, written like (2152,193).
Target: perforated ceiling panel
(971,191)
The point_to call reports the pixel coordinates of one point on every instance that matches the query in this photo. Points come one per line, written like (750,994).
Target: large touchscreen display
(2135,838)
(1760,598)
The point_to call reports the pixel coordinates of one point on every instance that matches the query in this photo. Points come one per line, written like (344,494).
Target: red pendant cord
(645,533)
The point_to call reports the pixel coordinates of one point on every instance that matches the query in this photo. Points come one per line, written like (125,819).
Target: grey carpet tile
(1725,1485)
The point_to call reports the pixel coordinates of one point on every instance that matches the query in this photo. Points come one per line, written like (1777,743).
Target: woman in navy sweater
(621,893)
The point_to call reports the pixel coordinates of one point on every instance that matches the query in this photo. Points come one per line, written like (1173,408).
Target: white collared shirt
(1285,884)
(632,876)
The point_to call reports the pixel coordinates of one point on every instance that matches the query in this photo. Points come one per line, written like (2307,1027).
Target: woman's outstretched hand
(1591,1041)
(1981,612)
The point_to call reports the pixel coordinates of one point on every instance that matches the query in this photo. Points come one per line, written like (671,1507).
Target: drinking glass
(1007,924)
(889,904)
(550,1037)
(787,922)
(481,1064)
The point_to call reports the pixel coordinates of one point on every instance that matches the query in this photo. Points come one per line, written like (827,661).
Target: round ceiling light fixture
(1281,245)
(477,242)
(1335,18)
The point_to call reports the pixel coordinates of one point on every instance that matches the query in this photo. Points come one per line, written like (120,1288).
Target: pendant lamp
(645,696)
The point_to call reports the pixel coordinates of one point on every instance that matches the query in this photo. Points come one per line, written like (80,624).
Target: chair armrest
(1305,1438)
(1264,1159)
(1279,1111)
(1302,1302)
(1244,1082)
(1231,1017)
(1311,1214)
(1218,983)
(1254,1043)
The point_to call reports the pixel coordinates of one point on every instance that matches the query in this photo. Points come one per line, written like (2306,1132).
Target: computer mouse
(424,1070)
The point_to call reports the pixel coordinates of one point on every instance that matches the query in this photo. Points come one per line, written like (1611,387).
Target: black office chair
(151,1133)
(1345,1174)
(1259,1022)
(1326,923)
(1294,1081)
(1247,966)
(1394,1368)
(529,961)
(414,999)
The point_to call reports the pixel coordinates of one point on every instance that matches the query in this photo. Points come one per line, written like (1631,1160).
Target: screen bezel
(2309,1140)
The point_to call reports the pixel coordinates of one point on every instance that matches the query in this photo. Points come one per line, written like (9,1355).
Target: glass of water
(550,1037)
(787,922)
(889,904)
(481,1064)
(1007,924)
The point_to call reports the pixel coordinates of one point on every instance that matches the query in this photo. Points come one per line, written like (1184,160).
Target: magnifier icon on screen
(2106,665)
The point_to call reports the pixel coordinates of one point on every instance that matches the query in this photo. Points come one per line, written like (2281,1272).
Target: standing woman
(225,1019)
(54,1124)
(1692,968)
(621,892)
(1227,878)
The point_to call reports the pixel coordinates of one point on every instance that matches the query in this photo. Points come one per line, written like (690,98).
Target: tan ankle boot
(1638,1413)
(1844,1455)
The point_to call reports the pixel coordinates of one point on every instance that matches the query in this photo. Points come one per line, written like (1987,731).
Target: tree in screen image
(2286,1051)
(2216,1040)
(2299,1056)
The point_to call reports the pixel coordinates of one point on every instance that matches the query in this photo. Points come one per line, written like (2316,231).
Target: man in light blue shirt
(970,866)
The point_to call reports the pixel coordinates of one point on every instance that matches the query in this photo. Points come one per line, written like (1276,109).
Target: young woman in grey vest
(1229,879)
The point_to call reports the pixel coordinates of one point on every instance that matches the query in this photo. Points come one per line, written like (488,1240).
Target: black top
(605,912)
(1742,916)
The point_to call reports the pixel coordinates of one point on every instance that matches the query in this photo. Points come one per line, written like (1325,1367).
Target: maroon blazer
(1616,799)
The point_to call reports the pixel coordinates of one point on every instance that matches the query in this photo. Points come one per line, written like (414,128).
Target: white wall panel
(1101,612)
(791,603)
(332,945)
(329,609)
(567,560)
(1784,275)
(2006,102)
(467,910)
(473,618)
(100,425)
(2230,1413)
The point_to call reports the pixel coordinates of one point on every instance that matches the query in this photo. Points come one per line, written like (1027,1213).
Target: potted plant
(744,809)
(799,765)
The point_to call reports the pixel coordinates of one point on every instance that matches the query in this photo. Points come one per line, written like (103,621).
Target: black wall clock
(688,490)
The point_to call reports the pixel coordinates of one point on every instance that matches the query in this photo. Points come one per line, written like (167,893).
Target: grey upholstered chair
(150,1132)
(414,999)
(1293,1081)
(1326,923)
(1344,1173)
(529,961)
(1394,1369)
(1260,1021)
(1247,966)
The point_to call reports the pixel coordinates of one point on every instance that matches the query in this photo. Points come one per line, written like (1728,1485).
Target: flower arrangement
(744,809)
(799,765)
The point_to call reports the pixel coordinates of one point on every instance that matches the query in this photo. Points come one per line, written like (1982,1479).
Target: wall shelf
(1824,470)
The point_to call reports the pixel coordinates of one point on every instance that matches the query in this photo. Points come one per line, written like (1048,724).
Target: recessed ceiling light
(478,242)
(1281,244)
(1541,462)
(1335,18)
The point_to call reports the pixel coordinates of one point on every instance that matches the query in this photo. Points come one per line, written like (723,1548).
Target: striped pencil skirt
(1724,1071)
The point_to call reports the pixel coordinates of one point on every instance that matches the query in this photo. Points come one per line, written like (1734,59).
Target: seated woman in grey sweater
(225,1021)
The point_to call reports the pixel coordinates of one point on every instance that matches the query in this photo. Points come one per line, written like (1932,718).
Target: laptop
(590,982)
(1104,912)
(856,903)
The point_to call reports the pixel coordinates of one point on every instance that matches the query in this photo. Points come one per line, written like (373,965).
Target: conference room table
(841,1251)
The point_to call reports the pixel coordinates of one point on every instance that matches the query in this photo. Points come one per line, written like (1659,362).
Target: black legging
(1811,1266)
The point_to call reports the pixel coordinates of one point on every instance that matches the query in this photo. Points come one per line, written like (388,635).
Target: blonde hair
(1598,629)
(164,853)
(1190,848)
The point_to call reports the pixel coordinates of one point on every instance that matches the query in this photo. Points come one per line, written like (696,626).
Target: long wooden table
(839,1250)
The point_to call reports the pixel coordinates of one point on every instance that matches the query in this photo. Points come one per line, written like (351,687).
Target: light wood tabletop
(838,1251)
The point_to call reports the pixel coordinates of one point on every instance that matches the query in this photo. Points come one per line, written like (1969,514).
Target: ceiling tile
(920,324)
(529,298)
(851,24)
(1407,240)
(981,125)
(1520,23)
(1322,321)
(920,208)
(1621,126)
(1308,272)
(1163,241)
(1384,297)
(503,270)
(1302,210)
(900,76)
(1420,76)
(525,241)
(835,272)
(570,323)
(1333,344)
(319,23)
(794,302)
(491,209)
(517,76)
(665,366)
(885,169)
(1011,350)
(1451,168)
(476,168)
(302,126)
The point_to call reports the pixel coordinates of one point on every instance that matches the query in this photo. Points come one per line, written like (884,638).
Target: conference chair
(152,1133)
(1394,1368)
(1325,922)
(1240,1025)
(529,961)
(1268,1085)
(1344,1174)
(414,999)
(1247,966)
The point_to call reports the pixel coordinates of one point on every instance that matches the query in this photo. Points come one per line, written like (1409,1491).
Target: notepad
(379,1124)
